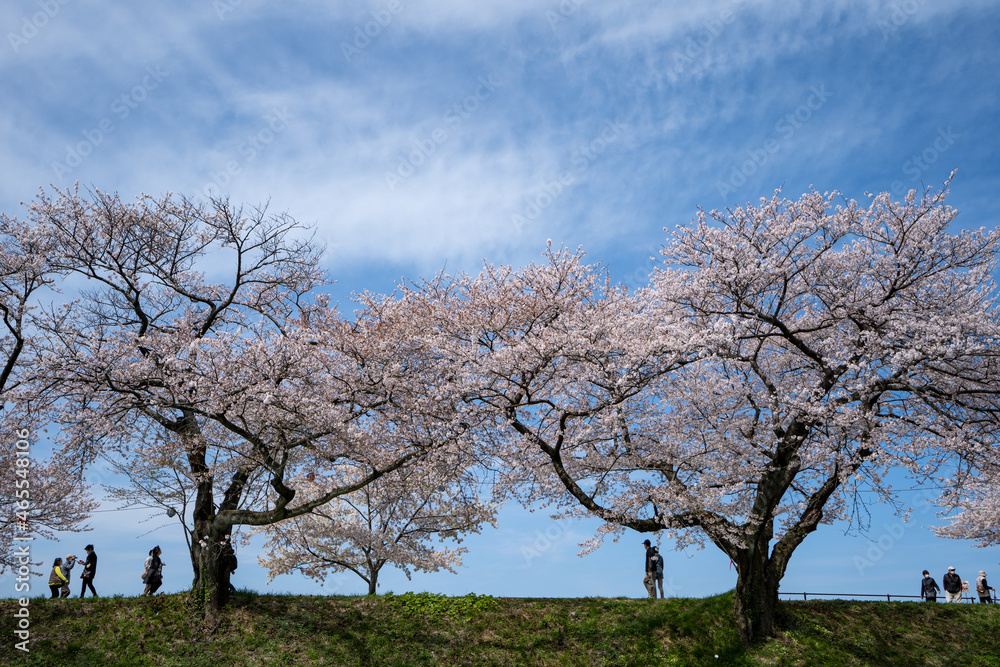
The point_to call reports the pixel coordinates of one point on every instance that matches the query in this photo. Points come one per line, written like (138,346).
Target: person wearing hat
(67,569)
(649,574)
(983,588)
(929,588)
(952,586)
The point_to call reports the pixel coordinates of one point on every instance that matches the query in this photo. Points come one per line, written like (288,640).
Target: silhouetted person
(649,574)
(89,571)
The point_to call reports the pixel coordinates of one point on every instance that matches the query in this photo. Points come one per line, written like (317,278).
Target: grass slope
(426,629)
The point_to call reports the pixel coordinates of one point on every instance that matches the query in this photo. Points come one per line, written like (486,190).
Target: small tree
(391,521)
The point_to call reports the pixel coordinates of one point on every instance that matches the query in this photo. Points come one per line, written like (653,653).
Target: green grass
(426,629)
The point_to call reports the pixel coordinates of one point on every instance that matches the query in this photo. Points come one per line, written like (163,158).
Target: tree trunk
(213,575)
(208,536)
(756,603)
(374,567)
(196,563)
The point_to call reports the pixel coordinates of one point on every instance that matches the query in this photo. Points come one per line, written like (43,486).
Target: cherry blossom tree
(969,481)
(38,497)
(978,510)
(388,522)
(199,338)
(846,341)
(788,354)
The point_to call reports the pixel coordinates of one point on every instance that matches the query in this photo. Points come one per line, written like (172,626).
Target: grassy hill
(426,629)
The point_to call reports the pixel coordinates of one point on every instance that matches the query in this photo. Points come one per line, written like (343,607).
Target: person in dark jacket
(658,571)
(229,563)
(929,588)
(154,574)
(649,573)
(952,586)
(89,571)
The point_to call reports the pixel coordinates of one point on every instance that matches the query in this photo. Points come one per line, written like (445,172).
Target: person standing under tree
(229,563)
(658,571)
(929,588)
(952,586)
(649,571)
(89,571)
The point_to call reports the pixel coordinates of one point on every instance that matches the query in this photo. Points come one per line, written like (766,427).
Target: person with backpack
(154,573)
(648,579)
(229,563)
(658,571)
(983,589)
(929,588)
(952,586)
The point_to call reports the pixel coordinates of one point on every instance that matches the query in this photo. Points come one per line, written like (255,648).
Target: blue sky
(421,135)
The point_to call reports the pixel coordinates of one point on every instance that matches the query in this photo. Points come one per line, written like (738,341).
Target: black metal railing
(888,596)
